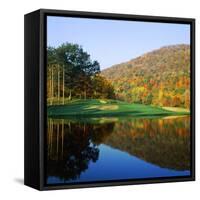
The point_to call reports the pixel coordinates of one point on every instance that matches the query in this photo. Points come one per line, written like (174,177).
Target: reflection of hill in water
(72,146)
(163,142)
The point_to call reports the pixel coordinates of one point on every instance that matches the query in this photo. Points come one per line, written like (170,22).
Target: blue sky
(112,41)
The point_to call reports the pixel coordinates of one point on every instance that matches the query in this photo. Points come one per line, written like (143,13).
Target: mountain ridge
(166,68)
(147,53)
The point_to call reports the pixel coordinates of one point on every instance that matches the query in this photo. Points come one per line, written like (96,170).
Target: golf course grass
(109,108)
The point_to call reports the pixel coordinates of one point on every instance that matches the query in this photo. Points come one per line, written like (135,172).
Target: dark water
(98,149)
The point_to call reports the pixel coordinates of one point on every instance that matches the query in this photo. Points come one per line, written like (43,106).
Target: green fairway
(107,108)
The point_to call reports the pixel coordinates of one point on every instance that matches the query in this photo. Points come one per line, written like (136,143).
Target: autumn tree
(72,74)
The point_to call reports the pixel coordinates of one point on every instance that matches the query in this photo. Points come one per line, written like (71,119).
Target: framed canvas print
(109,99)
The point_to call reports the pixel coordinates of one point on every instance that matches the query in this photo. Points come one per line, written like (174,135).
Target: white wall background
(11,98)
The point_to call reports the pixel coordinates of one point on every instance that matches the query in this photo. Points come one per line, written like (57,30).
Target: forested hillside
(161,77)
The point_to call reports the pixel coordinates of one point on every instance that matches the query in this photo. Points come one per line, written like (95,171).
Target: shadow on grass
(84,109)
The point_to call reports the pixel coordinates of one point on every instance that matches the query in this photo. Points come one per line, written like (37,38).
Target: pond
(99,149)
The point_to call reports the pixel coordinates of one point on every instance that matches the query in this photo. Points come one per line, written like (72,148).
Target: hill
(160,77)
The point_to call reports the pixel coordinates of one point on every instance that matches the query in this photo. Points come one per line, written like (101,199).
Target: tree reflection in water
(73,144)
(70,147)
(163,142)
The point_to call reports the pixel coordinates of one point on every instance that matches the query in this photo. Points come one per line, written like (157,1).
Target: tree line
(71,74)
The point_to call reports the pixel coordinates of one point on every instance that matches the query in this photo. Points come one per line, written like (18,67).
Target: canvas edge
(43,14)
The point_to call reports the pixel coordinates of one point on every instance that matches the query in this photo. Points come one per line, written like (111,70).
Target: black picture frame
(35,95)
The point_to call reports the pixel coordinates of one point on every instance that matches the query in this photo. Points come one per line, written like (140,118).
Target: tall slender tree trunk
(95,94)
(70,94)
(58,84)
(52,84)
(63,85)
(85,94)
(49,93)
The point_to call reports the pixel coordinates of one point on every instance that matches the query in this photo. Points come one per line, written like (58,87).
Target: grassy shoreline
(110,108)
